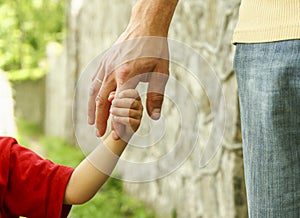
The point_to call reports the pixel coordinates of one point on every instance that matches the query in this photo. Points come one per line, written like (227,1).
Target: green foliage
(60,152)
(26,74)
(27,130)
(26,28)
(111,201)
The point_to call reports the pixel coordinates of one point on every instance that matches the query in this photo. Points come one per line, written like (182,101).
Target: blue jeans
(268,77)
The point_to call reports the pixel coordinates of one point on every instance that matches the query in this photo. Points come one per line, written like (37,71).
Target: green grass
(111,201)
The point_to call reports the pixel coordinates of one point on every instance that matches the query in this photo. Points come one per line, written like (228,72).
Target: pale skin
(148,18)
(86,180)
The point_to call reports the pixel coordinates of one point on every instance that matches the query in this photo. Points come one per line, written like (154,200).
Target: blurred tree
(26,28)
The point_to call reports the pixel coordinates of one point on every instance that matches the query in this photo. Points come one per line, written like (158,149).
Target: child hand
(126,109)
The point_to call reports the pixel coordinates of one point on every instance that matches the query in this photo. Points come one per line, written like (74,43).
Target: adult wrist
(151,18)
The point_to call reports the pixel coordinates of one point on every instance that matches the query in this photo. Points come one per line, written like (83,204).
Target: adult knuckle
(93,91)
(123,71)
(100,101)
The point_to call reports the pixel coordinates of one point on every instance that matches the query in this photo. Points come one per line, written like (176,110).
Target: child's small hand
(126,109)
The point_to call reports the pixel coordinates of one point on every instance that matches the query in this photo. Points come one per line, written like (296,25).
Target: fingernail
(97,133)
(155,114)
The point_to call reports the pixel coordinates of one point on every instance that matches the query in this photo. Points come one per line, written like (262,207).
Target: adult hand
(128,62)
(140,55)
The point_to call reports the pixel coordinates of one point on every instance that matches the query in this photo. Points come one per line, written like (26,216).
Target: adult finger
(103,105)
(155,94)
(94,90)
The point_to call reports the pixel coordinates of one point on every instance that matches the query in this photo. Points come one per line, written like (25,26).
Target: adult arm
(147,30)
(151,18)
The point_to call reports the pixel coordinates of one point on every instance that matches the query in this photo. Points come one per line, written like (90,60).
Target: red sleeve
(32,187)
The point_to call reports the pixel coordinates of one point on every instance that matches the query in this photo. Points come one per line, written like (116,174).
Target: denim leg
(268,77)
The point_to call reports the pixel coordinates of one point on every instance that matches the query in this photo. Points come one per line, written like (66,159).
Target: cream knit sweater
(268,21)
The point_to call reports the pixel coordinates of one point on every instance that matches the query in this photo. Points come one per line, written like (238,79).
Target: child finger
(128,122)
(126,112)
(126,103)
(129,93)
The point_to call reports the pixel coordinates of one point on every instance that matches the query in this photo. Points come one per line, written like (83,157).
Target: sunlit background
(44,47)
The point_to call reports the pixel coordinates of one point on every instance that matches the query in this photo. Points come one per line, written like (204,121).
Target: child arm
(87,179)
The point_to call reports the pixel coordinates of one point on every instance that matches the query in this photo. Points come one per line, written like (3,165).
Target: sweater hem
(266,35)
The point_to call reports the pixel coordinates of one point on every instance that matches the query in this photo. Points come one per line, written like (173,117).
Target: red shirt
(30,186)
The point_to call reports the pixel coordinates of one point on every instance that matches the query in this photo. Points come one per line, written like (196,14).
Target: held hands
(127,110)
(141,54)
(122,67)
(93,171)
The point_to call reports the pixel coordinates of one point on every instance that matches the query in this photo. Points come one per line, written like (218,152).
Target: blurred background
(44,47)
